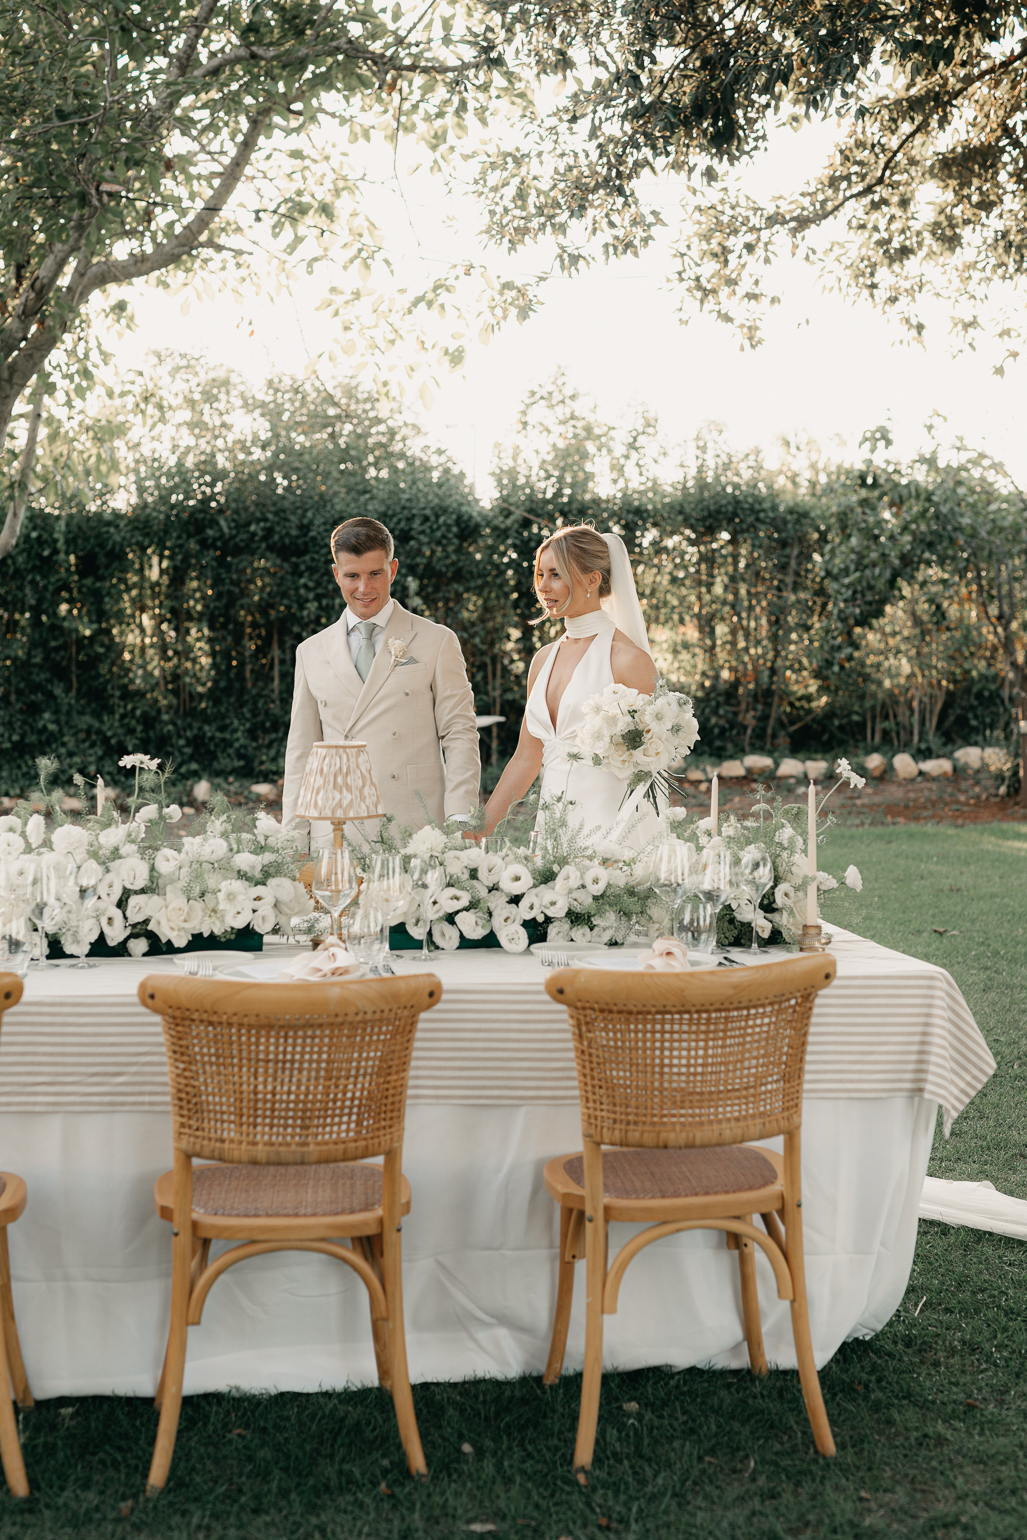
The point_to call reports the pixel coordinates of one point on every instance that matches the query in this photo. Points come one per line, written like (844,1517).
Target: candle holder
(813,939)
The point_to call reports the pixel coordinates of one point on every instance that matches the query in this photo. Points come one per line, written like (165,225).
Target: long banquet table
(84,1118)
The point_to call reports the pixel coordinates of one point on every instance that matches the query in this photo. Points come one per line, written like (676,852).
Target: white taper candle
(99,795)
(811,892)
(714,805)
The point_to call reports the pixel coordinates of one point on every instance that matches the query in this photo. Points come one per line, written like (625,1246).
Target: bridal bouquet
(124,881)
(637,737)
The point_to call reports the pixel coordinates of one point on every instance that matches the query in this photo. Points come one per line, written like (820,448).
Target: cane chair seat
(345,1199)
(678,1074)
(283,1095)
(644,1184)
(13,1197)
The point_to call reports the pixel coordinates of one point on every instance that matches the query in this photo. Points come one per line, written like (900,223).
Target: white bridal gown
(596,794)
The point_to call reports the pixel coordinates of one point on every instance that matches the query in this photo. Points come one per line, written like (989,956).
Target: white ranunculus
(428,841)
(133,871)
(566,878)
(454,898)
(516,878)
(89,873)
(445,935)
(35,830)
(11,845)
(112,923)
(554,904)
(853,879)
(530,906)
(473,924)
(490,868)
(282,888)
(110,888)
(247,861)
(513,938)
(166,861)
(264,919)
(138,946)
(595,880)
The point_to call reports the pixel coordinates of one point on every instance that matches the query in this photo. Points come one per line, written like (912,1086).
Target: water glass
(368,936)
(696,924)
(15,947)
(757,871)
(719,877)
(428,873)
(336,882)
(390,888)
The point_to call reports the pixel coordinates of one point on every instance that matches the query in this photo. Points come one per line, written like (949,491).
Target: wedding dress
(596,795)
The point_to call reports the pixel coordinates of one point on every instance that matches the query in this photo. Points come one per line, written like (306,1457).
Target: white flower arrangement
(637,737)
(120,879)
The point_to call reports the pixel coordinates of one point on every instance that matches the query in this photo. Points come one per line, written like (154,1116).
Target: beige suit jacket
(417,718)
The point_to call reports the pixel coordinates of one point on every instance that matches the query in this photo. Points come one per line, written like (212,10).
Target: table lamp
(339,784)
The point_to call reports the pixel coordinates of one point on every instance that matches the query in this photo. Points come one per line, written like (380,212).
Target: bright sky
(827,369)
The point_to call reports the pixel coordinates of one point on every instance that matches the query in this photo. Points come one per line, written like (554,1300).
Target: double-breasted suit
(415,713)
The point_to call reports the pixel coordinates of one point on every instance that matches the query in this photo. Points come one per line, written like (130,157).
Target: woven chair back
(675,1061)
(288,1074)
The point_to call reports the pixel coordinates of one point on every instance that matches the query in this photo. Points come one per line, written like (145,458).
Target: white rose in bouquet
(11,845)
(166,861)
(516,879)
(445,935)
(71,840)
(264,919)
(473,924)
(513,938)
(133,871)
(490,868)
(89,873)
(110,888)
(113,836)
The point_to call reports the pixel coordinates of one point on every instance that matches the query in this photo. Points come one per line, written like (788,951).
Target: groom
(391,679)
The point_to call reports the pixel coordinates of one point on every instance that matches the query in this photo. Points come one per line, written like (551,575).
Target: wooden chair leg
(15,1362)
(392,1277)
(170,1391)
(595,1280)
(364,1245)
(564,1296)
(751,1303)
(10,1448)
(808,1377)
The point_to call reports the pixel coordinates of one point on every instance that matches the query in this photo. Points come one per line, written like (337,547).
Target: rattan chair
(679,1072)
(12,1205)
(288,1087)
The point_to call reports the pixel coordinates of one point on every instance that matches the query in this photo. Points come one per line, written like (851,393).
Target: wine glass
(673,873)
(86,895)
(718,877)
(427,872)
(391,885)
(757,871)
(47,881)
(365,934)
(336,882)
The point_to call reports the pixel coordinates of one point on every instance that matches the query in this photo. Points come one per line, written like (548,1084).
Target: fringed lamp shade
(339,784)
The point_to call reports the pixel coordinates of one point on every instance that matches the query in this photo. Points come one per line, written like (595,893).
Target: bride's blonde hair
(576,550)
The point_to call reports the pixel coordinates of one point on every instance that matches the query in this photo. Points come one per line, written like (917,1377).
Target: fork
(554,959)
(198,970)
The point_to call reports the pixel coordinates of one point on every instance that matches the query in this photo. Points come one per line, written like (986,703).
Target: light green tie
(365,652)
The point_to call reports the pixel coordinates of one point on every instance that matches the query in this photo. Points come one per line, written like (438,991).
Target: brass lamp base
(813,939)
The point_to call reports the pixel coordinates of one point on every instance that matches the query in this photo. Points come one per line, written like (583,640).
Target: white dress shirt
(381,620)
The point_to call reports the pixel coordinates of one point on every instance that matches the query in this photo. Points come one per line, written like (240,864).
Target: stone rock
(996,760)
(695,774)
(188,812)
(815,769)
(709,771)
(758,764)
(875,765)
(202,791)
(789,768)
(905,767)
(265,791)
(936,767)
(970,759)
(8,802)
(731,770)
(71,805)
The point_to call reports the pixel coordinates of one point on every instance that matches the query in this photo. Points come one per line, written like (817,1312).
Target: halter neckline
(588,625)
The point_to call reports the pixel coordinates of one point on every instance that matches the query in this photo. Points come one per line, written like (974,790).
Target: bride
(585,579)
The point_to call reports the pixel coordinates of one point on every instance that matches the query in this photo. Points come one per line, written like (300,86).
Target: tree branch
(23,484)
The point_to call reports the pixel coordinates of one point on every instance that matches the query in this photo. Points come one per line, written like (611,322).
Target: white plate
(266,972)
(633,949)
(697,961)
(221,958)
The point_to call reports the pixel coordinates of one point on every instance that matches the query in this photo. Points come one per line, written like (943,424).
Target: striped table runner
(889,1026)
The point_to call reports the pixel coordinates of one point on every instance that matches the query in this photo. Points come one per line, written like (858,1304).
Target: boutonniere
(398,651)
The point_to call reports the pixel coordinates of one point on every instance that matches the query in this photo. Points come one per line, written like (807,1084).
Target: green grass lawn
(928,1416)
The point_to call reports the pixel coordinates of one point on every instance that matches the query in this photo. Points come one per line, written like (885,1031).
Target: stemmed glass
(366,924)
(336,882)
(427,872)
(718,878)
(757,873)
(45,882)
(86,895)
(391,885)
(674,873)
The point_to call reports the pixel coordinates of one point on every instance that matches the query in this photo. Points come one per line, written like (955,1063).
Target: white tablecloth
(83,1117)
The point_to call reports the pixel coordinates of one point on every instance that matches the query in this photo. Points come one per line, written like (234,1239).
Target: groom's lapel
(401,624)
(337,655)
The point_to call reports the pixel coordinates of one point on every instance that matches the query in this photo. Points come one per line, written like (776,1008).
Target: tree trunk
(23,486)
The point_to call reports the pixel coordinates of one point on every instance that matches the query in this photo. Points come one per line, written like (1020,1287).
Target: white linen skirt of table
(91,1262)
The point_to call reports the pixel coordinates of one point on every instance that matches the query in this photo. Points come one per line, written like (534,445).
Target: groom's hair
(358,536)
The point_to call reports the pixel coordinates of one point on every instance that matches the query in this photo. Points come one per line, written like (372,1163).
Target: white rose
(138,946)
(268,827)
(513,938)
(490,868)
(784,895)
(264,919)
(214,849)
(516,879)
(114,835)
(445,935)
(472,924)
(71,840)
(581,933)
(11,845)
(35,830)
(166,861)
(825,882)
(282,888)
(110,888)
(176,910)
(133,871)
